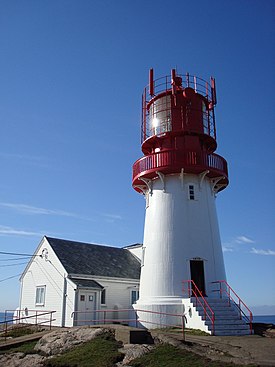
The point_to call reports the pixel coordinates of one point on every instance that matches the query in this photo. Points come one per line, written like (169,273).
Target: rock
(269,333)
(22,360)
(60,341)
(133,351)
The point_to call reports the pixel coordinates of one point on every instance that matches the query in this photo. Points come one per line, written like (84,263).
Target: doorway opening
(197,275)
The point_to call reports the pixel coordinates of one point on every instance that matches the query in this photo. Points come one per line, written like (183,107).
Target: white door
(86,307)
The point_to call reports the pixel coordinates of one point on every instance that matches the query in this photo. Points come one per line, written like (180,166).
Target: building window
(134,296)
(191,192)
(142,256)
(82,297)
(103,297)
(40,295)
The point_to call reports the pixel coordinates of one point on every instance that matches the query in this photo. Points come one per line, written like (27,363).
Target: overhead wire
(17,258)
(3,266)
(17,254)
(14,276)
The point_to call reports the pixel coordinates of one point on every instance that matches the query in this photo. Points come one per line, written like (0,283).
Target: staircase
(226,314)
(227,320)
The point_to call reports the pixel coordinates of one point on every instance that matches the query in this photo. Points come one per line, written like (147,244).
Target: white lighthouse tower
(180,176)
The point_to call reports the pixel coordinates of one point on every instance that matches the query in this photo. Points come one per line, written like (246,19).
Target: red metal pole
(151,82)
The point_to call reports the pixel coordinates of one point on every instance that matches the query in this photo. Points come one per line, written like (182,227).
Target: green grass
(100,352)
(166,355)
(17,331)
(27,348)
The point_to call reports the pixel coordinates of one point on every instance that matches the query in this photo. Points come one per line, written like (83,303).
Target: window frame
(191,192)
(136,298)
(40,295)
(103,297)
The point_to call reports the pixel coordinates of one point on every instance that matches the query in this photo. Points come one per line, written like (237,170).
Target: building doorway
(197,275)
(86,308)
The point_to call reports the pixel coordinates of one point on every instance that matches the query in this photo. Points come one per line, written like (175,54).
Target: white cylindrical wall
(177,230)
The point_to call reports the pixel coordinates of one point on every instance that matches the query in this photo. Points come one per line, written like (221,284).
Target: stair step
(232,332)
(227,312)
(225,322)
(230,327)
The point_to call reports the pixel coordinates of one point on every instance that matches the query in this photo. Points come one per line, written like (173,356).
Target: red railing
(175,160)
(34,318)
(194,291)
(100,316)
(231,295)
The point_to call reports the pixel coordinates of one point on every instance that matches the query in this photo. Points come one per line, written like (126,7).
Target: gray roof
(86,283)
(90,259)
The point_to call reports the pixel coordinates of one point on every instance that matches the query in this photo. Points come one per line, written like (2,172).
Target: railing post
(104,316)
(51,315)
(6,328)
(240,308)
(136,316)
(183,327)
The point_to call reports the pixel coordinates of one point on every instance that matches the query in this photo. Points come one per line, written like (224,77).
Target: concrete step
(225,322)
(230,327)
(226,312)
(227,317)
(232,332)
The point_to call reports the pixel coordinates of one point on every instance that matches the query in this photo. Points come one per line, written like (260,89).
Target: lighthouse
(180,176)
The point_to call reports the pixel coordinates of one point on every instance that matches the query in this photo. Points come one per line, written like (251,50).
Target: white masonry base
(164,312)
(171,312)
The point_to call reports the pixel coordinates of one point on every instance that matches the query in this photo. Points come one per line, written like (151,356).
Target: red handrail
(192,288)
(18,319)
(228,291)
(136,319)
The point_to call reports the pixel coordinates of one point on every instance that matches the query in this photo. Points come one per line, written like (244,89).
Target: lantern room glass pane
(160,116)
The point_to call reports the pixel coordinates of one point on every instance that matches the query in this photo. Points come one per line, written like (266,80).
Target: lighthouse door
(197,274)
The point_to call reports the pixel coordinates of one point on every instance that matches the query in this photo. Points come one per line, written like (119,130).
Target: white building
(75,279)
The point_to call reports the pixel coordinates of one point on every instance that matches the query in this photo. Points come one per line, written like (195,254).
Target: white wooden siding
(45,272)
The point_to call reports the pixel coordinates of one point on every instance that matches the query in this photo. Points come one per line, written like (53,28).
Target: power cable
(17,254)
(2,266)
(14,276)
(17,258)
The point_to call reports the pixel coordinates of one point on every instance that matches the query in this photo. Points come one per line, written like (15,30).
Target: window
(82,297)
(103,296)
(40,295)
(191,192)
(134,296)
(142,256)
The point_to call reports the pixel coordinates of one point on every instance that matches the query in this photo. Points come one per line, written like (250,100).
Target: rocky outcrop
(21,360)
(133,351)
(59,341)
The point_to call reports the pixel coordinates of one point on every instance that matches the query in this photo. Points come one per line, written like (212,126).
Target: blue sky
(72,74)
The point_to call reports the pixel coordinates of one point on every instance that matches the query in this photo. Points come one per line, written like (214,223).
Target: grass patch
(179,331)
(27,348)
(100,352)
(167,355)
(196,332)
(17,331)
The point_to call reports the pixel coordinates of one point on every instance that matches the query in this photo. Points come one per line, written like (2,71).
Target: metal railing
(164,86)
(193,290)
(176,160)
(23,320)
(225,290)
(101,317)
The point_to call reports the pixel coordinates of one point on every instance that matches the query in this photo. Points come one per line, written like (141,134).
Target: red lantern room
(178,131)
